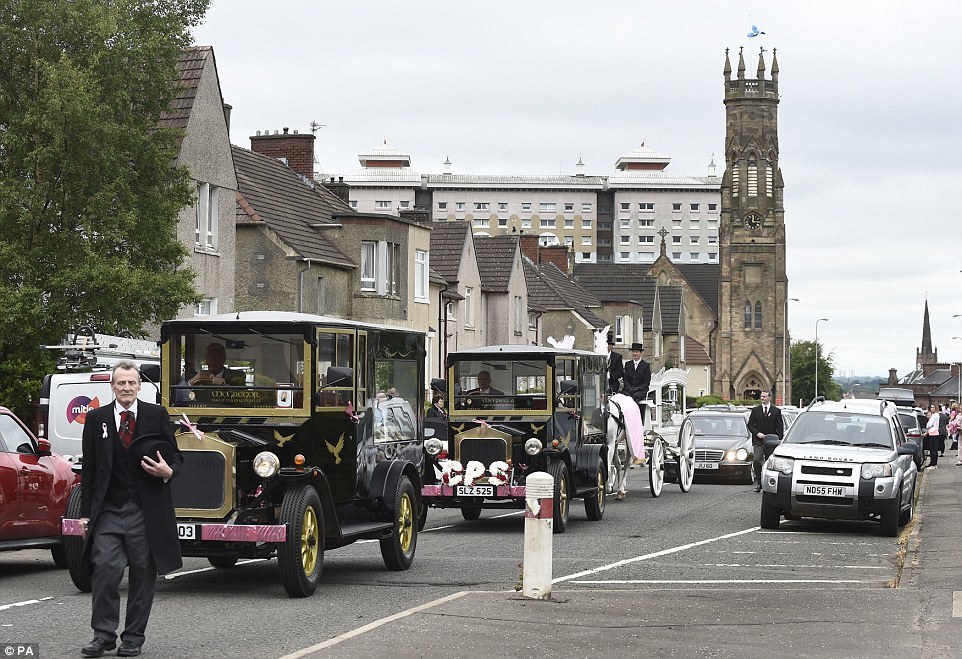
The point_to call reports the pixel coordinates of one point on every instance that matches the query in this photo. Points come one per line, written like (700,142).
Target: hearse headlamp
(266,464)
(433,446)
(533,446)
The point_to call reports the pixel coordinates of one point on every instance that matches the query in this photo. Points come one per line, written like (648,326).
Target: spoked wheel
(398,549)
(686,457)
(73,547)
(595,503)
(619,463)
(656,466)
(559,471)
(300,557)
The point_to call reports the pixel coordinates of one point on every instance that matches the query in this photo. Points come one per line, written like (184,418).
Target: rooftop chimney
(297,148)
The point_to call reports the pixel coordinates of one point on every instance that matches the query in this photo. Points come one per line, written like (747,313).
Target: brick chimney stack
(296,148)
(538,253)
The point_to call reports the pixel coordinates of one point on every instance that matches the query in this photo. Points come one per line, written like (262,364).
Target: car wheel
(595,503)
(397,550)
(422,514)
(222,562)
(73,547)
(301,556)
(906,516)
(470,513)
(59,556)
(559,471)
(889,524)
(771,516)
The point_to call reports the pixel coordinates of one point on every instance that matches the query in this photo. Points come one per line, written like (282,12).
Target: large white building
(615,218)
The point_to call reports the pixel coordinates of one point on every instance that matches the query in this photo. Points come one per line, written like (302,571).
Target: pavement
(920,616)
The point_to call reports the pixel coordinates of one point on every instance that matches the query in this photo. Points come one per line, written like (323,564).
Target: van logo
(78,407)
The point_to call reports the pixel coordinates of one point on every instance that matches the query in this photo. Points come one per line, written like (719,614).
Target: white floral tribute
(500,473)
(473,471)
(452,474)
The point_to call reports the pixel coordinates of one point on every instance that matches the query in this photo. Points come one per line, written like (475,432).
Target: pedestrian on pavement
(932,441)
(943,429)
(764,419)
(637,376)
(616,366)
(127,510)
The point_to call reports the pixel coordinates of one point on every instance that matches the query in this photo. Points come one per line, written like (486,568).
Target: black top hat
(149,445)
(640,347)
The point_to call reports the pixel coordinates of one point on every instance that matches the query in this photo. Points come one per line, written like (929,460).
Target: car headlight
(266,464)
(433,446)
(730,455)
(533,446)
(741,454)
(782,464)
(870,470)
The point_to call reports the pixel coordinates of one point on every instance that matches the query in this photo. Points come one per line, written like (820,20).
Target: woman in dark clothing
(436,411)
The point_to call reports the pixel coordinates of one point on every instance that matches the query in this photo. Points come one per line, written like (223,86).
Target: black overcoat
(155,495)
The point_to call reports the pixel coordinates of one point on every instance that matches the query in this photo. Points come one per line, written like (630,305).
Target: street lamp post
(816,355)
(959,398)
(851,390)
(785,400)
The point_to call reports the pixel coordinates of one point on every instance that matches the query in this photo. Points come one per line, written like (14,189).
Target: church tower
(752,287)
(926,355)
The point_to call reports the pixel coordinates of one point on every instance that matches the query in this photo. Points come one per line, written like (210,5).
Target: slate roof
(695,352)
(948,388)
(935,378)
(190,66)
(271,192)
(551,290)
(670,299)
(447,246)
(620,282)
(703,278)
(495,260)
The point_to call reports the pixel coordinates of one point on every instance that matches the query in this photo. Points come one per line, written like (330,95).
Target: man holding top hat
(127,509)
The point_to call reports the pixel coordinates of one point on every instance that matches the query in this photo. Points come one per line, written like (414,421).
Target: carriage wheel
(686,458)
(595,504)
(619,463)
(656,466)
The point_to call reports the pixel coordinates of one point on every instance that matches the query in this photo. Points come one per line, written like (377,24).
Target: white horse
(625,439)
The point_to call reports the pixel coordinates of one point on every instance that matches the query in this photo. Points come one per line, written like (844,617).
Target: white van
(66,397)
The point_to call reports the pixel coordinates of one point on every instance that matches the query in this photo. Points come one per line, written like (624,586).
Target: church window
(758,315)
(752,177)
(748,315)
(768,181)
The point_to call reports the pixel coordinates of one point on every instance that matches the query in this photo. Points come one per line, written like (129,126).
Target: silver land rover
(848,459)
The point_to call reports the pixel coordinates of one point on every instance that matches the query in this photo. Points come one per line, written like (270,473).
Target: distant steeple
(927,355)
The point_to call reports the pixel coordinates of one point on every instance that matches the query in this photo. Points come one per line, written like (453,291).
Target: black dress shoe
(128,649)
(97,647)
(758,488)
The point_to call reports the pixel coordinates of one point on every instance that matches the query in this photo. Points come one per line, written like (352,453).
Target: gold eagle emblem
(536,429)
(281,439)
(335,449)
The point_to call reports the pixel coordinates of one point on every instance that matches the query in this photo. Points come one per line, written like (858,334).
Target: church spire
(741,64)
(774,66)
(728,67)
(926,331)
(760,74)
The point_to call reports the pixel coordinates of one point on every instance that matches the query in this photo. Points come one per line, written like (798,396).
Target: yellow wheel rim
(601,486)
(309,546)
(405,523)
(563,495)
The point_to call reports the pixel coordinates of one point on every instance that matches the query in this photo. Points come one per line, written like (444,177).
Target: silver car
(845,459)
(723,445)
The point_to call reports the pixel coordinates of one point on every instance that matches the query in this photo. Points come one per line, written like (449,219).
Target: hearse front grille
(485,450)
(200,483)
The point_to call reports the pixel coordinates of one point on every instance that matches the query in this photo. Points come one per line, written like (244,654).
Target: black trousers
(120,541)
(933,444)
(759,454)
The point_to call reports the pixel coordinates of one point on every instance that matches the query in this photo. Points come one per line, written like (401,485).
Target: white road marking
(831,567)
(373,625)
(718,581)
(436,528)
(957,603)
(24,603)
(174,575)
(513,512)
(656,554)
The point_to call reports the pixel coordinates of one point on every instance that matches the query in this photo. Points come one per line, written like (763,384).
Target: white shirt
(118,408)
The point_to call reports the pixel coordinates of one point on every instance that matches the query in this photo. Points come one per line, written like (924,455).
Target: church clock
(753,220)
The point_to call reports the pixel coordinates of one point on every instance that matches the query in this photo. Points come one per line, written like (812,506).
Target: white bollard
(538,534)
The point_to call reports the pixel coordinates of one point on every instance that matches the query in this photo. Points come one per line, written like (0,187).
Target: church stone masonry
(752,287)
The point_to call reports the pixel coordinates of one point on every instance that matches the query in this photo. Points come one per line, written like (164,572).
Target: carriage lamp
(533,446)
(433,446)
(782,464)
(266,464)
(870,470)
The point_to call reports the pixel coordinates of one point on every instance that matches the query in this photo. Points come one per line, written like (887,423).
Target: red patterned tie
(128,426)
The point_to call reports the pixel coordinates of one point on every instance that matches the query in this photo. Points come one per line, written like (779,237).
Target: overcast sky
(870,120)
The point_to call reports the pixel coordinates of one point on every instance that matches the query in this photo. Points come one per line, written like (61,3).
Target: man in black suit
(128,512)
(765,419)
(637,377)
(217,374)
(616,366)
(484,387)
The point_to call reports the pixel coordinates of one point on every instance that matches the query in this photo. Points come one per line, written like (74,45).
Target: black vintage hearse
(309,438)
(515,410)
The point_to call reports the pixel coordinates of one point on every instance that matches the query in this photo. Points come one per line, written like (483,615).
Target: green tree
(88,195)
(803,372)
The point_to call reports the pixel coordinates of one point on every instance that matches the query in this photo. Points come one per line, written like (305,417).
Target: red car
(35,486)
